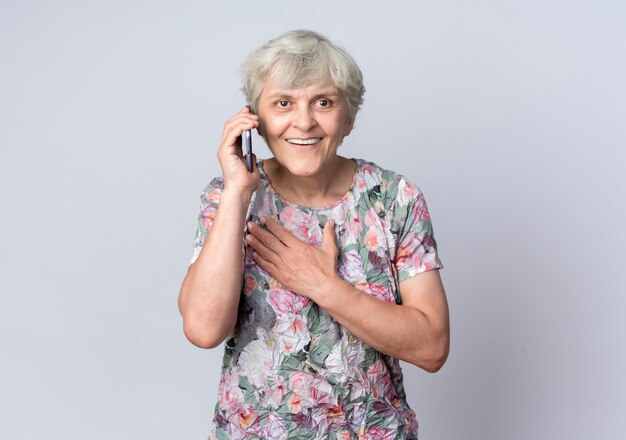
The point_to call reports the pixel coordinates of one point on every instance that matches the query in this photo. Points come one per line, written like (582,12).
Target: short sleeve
(416,249)
(209,201)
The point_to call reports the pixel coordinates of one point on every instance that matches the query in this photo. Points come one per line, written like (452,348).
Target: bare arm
(416,331)
(209,295)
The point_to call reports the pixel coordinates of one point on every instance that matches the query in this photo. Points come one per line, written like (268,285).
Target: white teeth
(304,141)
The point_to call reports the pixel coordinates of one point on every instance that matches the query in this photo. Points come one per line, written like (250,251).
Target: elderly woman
(319,271)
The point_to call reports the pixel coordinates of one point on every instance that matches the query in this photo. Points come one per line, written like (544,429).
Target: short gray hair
(299,59)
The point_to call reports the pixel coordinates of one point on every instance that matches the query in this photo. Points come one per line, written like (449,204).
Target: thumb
(328,237)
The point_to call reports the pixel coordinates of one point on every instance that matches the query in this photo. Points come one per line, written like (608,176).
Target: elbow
(435,362)
(435,358)
(434,365)
(202,338)
(200,330)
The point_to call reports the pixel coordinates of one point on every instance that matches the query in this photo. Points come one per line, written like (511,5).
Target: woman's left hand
(421,332)
(300,267)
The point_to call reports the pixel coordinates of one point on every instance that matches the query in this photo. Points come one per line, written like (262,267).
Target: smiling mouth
(309,141)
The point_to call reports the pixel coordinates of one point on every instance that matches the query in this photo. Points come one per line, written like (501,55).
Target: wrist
(331,290)
(236,194)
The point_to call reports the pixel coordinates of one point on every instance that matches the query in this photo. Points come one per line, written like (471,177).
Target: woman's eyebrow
(280,95)
(318,95)
(324,94)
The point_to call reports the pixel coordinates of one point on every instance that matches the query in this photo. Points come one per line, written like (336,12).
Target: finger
(244,116)
(233,129)
(264,242)
(245,112)
(328,235)
(286,237)
(266,265)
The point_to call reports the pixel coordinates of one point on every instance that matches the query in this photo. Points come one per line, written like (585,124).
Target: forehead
(273,89)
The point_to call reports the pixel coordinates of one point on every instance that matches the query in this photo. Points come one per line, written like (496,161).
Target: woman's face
(303,127)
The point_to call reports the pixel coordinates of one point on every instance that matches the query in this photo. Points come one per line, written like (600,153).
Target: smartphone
(246,146)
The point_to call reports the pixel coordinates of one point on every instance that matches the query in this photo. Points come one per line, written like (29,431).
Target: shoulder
(216,184)
(385,186)
(211,193)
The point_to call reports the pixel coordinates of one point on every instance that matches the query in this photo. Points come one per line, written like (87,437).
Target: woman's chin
(304,171)
(301,167)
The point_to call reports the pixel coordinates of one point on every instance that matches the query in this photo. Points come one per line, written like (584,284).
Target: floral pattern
(290,371)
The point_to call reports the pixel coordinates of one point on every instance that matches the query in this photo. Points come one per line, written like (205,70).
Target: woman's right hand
(233,163)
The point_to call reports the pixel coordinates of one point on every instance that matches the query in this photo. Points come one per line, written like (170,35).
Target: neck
(321,189)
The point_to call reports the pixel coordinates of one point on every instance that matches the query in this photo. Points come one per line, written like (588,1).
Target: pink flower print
(380,381)
(320,421)
(367,168)
(371,218)
(310,235)
(403,253)
(319,394)
(351,267)
(333,411)
(411,255)
(336,416)
(292,333)
(291,216)
(274,393)
(409,189)
(343,435)
(249,284)
(288,215)
(375,373)
(274,429)
(379,259)
(303,225)
(411,422)
(208,216)
(214,197)
(313,391)
(376,368)
(231,395)
(298,382)
(303,421)
(376,433)
(372,240)
(381,292)
(406,192)
(247,417)
(284,301)
(352,229)
(420,210)
(295,403)
(385,409)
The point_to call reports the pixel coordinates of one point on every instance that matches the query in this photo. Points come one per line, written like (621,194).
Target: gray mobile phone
(246,146)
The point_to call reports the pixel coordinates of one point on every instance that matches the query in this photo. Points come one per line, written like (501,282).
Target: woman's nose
(303,118)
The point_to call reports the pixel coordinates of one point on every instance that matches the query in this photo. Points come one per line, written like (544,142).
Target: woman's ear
(260,130)
(348,129)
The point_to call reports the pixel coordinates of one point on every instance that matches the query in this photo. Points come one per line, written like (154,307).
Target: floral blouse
(290,371)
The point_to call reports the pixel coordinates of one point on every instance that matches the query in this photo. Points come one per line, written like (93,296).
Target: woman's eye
(324,103)
(282,103)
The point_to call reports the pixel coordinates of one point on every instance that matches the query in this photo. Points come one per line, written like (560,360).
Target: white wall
(509,115)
